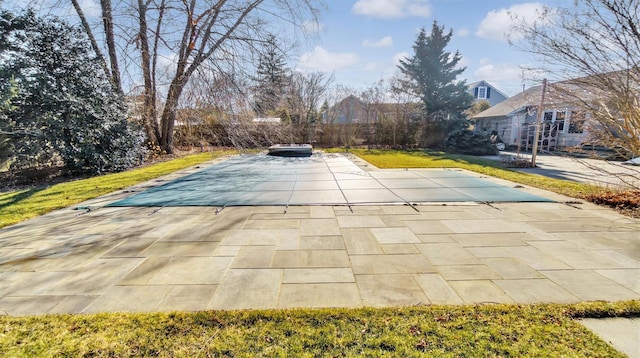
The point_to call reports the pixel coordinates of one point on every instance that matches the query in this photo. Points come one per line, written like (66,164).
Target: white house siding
(566,139)
(515,126)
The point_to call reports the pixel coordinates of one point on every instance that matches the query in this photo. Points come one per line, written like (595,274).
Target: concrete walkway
(602,173)
(197,258)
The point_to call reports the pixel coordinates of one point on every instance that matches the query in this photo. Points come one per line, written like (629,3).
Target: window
(576,122)
(482,92)
(560,120)
(555,118)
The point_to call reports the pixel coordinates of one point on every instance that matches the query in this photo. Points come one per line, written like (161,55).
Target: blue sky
(361,41)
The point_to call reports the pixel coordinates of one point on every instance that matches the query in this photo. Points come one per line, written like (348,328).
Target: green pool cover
(322,179)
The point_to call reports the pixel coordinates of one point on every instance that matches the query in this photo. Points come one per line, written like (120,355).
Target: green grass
(421,159)
(442,331)
(21,205)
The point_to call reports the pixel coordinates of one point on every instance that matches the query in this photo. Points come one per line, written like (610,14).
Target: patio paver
(248,257)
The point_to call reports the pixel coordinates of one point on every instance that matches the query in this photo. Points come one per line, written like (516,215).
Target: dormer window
(482,92)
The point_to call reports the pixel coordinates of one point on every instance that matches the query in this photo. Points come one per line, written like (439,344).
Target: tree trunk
(169,114)
(92,39)
(107,19)
(149,112)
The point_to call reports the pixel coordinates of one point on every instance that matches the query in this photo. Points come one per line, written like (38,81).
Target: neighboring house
(483,91)
(351,109)
(514,119)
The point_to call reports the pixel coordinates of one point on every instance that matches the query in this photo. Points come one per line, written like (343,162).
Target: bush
(65,110)
(468,142)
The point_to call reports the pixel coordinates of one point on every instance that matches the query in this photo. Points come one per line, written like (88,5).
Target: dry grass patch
(442,331)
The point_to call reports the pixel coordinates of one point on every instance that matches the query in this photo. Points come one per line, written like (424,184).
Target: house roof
(473,85)
(559,94)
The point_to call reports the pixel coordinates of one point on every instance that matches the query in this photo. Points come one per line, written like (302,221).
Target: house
(352,121)
(350,109)
(563,123)
(483,91)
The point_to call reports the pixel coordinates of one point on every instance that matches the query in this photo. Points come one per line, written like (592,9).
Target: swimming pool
(322,179)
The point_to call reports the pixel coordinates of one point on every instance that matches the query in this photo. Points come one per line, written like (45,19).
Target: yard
(469,330)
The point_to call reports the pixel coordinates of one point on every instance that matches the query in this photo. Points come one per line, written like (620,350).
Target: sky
(360,42)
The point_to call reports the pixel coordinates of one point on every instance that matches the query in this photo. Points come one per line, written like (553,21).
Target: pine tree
(431,75)
(271,79)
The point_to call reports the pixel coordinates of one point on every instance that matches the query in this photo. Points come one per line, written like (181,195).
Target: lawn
(16,206)
(626,202)
(422,159)
(442,331)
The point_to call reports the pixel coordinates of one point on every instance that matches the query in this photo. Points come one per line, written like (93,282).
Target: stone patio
(102,259)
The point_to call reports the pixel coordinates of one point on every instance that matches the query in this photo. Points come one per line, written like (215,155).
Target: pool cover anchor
(573,204)
(488,203)
(219,210)
(158,209)
(85,208)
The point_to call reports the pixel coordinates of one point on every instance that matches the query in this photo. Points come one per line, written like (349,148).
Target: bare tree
(216,30)
(92,38)
(305,91)
(406,109)
(594,46)
(107,20)
(375,110)
(190,33)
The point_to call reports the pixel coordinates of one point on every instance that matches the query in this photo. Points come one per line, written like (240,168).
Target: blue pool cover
(322,179)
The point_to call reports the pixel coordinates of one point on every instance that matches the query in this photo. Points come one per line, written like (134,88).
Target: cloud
(322,60)
(464,32)
(464,62)
(499,23)
(501,73)
(383,42)
(91,8)
(312,27)
(400,56)
(388,9)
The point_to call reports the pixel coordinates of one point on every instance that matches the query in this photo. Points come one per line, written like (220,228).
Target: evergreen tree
(431,75)
(272,77)
(65,108)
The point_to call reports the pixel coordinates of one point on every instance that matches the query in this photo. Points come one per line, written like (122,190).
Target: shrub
(65,110)
(468,142)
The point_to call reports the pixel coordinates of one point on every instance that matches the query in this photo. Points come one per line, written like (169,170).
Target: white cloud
(322,60)
(383,42)
(462,32)
(501,73)
(392,8)
(400,56)
(91,8)
(312,27)
(369,67)
(498,23)
(464,62)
